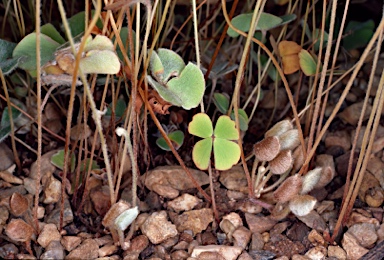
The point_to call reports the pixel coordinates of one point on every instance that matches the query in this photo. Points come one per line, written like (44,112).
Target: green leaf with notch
(58,160)
(177,138)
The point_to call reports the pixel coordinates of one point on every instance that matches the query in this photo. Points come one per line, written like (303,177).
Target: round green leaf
(201,126)
(227,153)
(243,23)
(100,62)
(100,42)
(307,63)
(243,119)
(156,66)
(172,62)
(176,137)
(189,86)
(201,153)
(49,30)
(225,129)
(221,102)
(27,48)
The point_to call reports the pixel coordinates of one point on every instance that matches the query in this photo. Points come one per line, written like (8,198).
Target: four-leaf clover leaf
(226,152)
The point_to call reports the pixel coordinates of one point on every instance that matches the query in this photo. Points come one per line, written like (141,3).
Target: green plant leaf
(307,63)
(49,30)
(124,37)
(243,119)
(172,63)
(287,18)
(5,125)
(7,63)
(26,48)
(361,34)
(100,42)
(176,83)
(177,137)
(317,37)
(77,23)
(100,62)
(58,160)
(6,49)
(221,101)
(225,129)
(227,153)
(243,23)
(94,165)
(201,153)
(119,109)
(201,126)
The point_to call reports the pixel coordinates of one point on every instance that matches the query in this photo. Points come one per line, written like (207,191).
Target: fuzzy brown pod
(289,140)
(279,128)
(267,149)
(328,172)
(18,230)
(18,204)
(311,179)
(282,163)
(288,189)
(301,205)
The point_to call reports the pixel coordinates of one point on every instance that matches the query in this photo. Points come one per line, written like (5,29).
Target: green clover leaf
(226,152)
(179,84)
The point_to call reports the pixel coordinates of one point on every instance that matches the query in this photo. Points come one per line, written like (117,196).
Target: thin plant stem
(39,115)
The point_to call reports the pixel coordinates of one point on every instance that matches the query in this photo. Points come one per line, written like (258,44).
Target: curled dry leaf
(279,128)
(18,204)
(289,188)
(267,149)
(280,211)
(289,140)
(114,212)
(311,179)
(301,205)
(19,230)
(282,162)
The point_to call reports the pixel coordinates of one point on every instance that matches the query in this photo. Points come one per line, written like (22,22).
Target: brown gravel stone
(87,250)
(337,252)
(226,252)
(364,233)
(282,246)
(70,242)
(194,220)
(257,242)
(48,234)
(352,247)
(241,237)
(259,223)
(157,228)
